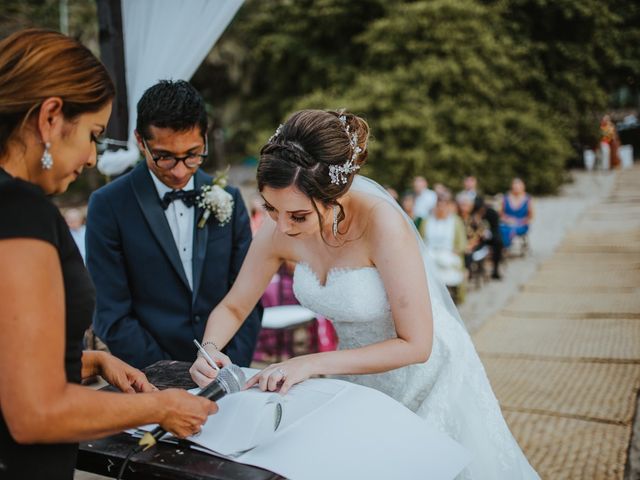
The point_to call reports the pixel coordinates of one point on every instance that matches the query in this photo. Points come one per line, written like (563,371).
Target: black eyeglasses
(167,162)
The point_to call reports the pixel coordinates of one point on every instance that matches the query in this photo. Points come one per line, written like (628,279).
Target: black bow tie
(187,196)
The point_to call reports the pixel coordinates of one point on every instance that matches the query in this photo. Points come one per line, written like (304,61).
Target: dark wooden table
(164,461)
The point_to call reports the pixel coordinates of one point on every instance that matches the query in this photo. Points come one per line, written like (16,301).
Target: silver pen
(206,356)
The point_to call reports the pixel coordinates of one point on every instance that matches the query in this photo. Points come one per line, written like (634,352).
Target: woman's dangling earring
(47,159)
(335,221)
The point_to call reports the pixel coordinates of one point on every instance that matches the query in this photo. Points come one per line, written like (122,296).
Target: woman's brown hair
(303,150)
(38,64)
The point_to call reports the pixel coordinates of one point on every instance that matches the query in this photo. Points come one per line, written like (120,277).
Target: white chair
(589,157)
(625,152)
(284,320)
(605,156)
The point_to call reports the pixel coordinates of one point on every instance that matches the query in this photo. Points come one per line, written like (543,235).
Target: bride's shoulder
(380,214)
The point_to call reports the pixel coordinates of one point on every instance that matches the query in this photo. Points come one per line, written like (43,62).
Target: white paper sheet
(330,429)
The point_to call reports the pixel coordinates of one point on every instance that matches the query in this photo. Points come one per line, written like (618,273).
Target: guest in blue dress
(516,213)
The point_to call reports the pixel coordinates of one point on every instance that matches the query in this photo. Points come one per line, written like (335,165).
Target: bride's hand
(282,376)
(202,373)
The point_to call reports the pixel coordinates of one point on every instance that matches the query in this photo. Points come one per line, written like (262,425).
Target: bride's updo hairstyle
(318,152)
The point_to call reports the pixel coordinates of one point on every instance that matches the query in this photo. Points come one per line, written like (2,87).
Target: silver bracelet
(209,342)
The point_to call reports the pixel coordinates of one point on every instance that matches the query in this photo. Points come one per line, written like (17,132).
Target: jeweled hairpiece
(276,133)
(340,173)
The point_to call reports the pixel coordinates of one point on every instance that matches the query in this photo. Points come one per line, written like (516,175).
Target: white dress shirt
(424,203)
(180,218)
(78,237)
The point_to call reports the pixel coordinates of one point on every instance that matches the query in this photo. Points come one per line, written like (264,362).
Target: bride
(360,262)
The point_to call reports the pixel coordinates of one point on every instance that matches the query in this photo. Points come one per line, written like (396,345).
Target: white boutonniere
(214,199)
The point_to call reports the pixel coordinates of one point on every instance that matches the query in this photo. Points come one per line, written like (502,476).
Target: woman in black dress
(55,101)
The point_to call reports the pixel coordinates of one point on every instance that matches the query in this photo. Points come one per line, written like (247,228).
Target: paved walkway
(563,355)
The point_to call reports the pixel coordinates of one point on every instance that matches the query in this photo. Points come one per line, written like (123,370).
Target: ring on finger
(281,372)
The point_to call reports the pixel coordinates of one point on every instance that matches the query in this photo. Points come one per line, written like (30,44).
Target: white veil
(437,290)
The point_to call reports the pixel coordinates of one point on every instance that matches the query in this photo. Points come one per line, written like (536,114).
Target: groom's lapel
(200,236)
(149,202)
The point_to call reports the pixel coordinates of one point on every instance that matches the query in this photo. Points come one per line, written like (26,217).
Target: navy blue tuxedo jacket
(145,309)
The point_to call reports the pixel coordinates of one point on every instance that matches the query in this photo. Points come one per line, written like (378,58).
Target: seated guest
(516,213)
(159,269)
(483,210)
(470,187)
(424,198)
(55,101)
(446,241)
(476,229)
(407,203)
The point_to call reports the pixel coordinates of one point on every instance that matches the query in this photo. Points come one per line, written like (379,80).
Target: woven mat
(608,224)
(571,277)
(586,390)
(570,449)
(589,268)
(630,214)
(614,340)
(585,242)
(606,305)
(607,212)
(610,260)
(601,238)
(571,289)
(608,209)
(632,247)
(626,199)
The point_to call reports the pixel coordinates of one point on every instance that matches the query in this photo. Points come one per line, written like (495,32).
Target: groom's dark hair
(171,104)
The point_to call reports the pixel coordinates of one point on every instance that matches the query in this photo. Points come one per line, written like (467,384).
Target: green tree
(579,52)
(441,85)
(440,82)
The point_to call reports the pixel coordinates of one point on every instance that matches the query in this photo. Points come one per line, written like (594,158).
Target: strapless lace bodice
(349,295)
(450,391)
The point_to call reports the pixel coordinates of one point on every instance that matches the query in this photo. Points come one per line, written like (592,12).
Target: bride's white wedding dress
(450,391)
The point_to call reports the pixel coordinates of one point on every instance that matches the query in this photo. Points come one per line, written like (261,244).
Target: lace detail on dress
(450,391)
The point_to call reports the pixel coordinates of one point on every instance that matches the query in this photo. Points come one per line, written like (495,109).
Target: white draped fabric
(164,39)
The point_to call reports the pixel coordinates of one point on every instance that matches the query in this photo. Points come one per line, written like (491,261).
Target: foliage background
(494,88)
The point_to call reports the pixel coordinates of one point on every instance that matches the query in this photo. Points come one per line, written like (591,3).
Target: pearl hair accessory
(276,133)
(340,173)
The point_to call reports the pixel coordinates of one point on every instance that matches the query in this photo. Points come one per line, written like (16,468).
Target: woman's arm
(37,403)
(259,266)
(395,253)
(118,373)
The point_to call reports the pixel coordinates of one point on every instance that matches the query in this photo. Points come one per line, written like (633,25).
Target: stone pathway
(563,355)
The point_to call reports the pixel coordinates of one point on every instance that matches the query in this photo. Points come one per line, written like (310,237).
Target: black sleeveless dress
(26,212)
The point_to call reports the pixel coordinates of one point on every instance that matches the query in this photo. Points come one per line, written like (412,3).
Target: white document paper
(329,429)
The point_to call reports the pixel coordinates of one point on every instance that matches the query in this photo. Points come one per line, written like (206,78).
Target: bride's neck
(348,223)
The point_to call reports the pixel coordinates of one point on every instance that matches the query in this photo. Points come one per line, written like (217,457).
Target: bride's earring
(335,221)
(47,159)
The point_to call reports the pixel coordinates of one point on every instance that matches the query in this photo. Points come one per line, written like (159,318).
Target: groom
(158,274)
